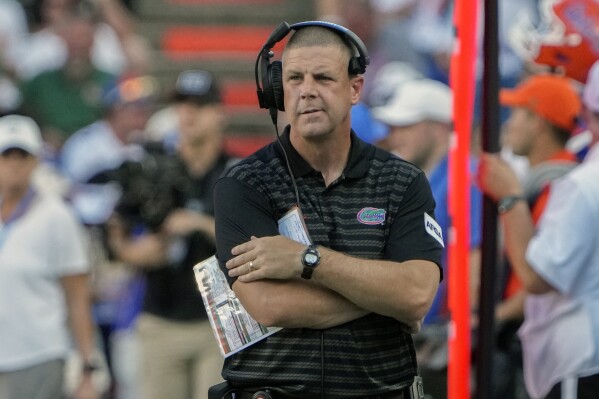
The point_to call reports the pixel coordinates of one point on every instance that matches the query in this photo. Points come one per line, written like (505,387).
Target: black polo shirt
(380,208)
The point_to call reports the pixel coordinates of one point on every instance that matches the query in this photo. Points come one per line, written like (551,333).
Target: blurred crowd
(137,181)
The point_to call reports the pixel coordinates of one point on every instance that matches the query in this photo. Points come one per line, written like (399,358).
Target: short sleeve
(240,212)
(561,248)
(414,232)
(70,243)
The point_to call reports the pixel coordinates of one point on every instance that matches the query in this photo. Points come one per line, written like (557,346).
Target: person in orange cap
(545,109)
(544,113)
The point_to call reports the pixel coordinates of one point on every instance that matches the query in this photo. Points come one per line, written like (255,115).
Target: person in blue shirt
(419,117)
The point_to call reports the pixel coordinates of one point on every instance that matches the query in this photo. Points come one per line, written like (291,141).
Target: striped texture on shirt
(364,357)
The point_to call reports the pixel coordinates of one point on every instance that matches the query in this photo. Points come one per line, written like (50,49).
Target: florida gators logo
(371,216)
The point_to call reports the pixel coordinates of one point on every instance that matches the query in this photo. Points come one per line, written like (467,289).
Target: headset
(269,79)
(269,76)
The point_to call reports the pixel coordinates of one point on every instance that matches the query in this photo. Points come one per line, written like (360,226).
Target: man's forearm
(79,309)
(518,228)
(295,304)
(403,291)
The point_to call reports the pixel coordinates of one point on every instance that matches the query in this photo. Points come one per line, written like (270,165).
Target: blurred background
(110,81)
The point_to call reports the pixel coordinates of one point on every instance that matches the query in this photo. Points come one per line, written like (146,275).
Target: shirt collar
(593,153)
(563,155)
(358,163)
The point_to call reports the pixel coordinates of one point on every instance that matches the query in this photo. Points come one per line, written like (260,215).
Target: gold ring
(252,265)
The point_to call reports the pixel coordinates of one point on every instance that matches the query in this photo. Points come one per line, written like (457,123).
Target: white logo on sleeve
(433,228)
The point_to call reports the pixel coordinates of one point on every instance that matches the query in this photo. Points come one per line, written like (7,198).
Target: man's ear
(357,83)
(539,123)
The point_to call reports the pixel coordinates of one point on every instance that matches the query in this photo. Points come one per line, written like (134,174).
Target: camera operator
(179,357)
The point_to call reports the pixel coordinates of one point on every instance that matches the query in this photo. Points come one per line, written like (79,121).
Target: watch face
(310,258)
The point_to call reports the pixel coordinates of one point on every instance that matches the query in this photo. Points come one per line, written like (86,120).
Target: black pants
(588,388)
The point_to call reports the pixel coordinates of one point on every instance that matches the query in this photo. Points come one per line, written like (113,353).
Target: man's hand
(86,389)
(496,178)
(274,257)
(147,251)
(181,222)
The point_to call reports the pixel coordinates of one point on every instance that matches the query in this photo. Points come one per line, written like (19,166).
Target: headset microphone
(277,35)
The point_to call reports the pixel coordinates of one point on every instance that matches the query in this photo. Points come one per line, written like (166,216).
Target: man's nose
(308,87)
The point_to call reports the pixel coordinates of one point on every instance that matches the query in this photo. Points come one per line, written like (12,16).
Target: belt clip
(262,395)
(417,389)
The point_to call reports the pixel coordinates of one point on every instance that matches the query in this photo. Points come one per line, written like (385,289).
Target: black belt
(224,391)
(276,395)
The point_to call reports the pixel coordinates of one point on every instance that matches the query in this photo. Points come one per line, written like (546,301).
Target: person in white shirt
(44,294)
(558,265)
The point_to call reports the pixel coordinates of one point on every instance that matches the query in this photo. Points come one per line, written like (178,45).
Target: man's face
(132,118)
(318,90)
(16,168)
(519,131)
(414,143)
(592,119)
(200,132)
(199,121)
(78,35)
(137,115)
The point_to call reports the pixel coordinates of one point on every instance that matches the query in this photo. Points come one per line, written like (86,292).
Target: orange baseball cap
(551,96)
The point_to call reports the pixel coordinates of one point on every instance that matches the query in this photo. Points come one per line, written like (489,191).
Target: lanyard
(19,211)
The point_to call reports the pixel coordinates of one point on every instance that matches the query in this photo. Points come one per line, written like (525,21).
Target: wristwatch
(310,259)
(507,203)
(89,367)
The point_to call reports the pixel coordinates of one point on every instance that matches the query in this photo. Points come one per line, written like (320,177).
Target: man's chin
(313,133)
(310,128)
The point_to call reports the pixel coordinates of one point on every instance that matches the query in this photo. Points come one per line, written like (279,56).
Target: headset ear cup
(355,68)
(276,82)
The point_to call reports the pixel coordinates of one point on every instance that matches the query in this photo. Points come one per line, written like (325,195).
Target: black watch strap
(89,367)
(507,203)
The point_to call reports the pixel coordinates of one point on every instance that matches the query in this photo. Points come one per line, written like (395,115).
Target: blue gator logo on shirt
(371,216)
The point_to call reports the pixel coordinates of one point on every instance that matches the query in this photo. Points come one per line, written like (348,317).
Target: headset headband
(362,58)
